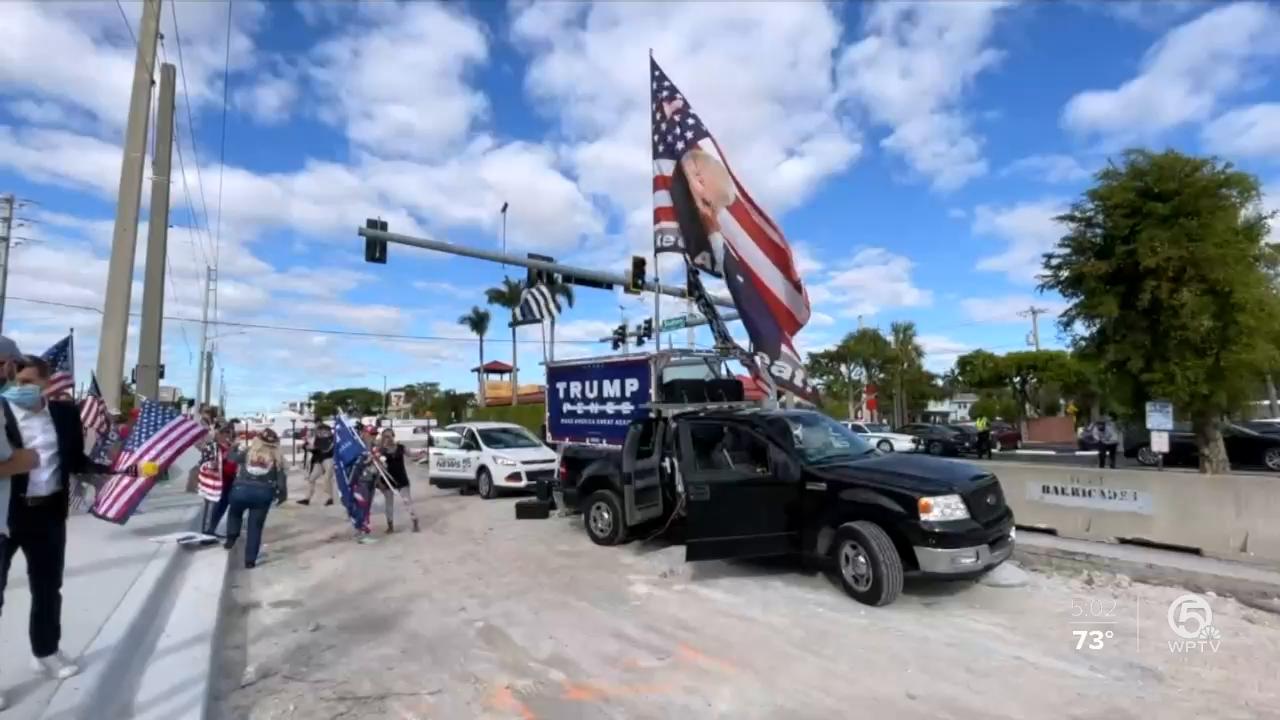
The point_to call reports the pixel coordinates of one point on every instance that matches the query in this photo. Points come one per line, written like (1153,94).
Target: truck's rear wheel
(603,518)
(868,563)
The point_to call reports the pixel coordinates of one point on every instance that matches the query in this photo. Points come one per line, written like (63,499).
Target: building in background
(950,410)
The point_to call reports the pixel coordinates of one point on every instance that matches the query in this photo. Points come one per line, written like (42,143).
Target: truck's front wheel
(868,563)
(603,518)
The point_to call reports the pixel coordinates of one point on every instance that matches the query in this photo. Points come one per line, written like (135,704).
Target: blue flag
(349,458)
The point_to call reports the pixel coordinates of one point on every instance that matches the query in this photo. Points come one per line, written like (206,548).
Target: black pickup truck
(756,482)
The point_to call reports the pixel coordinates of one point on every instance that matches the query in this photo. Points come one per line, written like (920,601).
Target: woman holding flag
(395,479)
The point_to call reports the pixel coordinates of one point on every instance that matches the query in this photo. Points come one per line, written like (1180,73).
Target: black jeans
(40,531)
(255,498)
(1103,452)
(984,444)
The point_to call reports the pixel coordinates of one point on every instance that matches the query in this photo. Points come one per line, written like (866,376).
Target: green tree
(981,370)
(353,401)
(507,295)
(477,321)
(1170,285)
(859,359)
(451,406)
(906,359)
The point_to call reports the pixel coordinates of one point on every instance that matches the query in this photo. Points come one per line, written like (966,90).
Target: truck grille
(986,502)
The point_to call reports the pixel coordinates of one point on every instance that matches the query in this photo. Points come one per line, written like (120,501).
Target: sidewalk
(128,602)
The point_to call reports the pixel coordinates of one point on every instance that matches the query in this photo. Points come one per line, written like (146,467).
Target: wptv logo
(1191,619)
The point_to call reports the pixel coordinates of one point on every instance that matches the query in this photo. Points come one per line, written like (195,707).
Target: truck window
(647,444)
(720,448)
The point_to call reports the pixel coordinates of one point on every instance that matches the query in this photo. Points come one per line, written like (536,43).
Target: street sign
(1160,442)
(1160,415)
(680,321)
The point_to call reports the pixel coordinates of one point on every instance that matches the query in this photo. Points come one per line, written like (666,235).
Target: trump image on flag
(702,210)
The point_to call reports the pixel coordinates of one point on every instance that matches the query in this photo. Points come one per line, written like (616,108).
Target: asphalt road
(1074,458)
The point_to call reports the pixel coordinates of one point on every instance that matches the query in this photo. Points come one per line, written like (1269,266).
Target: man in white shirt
(39,501)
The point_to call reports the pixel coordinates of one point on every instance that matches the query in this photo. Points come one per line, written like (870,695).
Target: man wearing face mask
(39,499)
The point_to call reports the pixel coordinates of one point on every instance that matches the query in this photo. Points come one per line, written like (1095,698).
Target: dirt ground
(484,616)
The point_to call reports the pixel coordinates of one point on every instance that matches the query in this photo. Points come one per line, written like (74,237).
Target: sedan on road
(940,439)
(1245,448)
(883,438)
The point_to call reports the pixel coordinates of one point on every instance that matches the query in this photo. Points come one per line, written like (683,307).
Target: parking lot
(484,616)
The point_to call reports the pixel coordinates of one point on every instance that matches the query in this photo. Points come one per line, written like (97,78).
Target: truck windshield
(819,439)
(510,437)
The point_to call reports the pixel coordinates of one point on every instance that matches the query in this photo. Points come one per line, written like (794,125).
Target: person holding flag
(388,459)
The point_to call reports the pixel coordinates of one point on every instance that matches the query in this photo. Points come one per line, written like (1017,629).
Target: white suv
(489,456)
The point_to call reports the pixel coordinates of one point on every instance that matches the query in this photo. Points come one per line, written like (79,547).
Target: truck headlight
(504,461)
(942,507)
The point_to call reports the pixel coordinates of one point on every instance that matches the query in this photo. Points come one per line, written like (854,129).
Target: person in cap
(260,480)
(39,499)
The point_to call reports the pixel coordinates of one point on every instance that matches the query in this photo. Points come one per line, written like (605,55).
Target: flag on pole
(537,303)
(349,457)
(61,359)
(209,479)
(160,435)
(93,411)
(702,210)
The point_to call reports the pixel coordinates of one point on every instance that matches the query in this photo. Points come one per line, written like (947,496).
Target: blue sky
(914,154)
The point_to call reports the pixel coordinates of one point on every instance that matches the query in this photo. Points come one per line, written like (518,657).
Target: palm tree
(507,295)
(907,355)
(477,321)
(565,293)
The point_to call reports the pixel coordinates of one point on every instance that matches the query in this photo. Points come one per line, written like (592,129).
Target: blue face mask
(27,397)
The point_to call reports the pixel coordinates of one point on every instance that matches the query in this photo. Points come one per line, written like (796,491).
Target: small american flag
(93,411)
(62,364)
(159,436)
(210,477)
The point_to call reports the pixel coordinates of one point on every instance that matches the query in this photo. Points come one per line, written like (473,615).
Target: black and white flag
(537,303)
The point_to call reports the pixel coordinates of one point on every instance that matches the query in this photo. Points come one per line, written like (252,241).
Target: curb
(1157,567)
(153,656)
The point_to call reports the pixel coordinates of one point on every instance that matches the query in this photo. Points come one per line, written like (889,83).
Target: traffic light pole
(568,273)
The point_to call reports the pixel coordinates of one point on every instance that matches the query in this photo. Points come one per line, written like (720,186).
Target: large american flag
(701,209)
(62,363)
(159,436)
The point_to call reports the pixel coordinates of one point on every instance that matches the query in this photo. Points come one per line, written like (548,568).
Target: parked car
(1245,448)
(490,457)
(1003,435)
(941,439)
(883,437)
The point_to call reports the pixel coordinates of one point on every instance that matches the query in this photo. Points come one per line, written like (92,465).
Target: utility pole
(124,239)
(152,326)
(1034,313)
(222,391)
(7,204)
(208,377)
(201,398)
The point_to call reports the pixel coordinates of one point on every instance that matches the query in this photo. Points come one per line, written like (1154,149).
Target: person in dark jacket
(260,480)
(391,454)
(320,464)
(39,499)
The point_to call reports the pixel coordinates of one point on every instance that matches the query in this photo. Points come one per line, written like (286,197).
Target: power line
(222,153)
(127,24)
(191,131)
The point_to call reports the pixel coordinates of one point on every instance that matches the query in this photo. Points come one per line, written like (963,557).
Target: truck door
(735,504)
(641,471)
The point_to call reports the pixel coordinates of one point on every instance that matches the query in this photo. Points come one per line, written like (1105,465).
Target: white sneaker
(56,665)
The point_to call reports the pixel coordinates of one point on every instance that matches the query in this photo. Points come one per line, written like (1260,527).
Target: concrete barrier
(1228,516)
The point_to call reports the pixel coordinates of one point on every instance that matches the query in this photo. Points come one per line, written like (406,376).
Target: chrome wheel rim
(855,566)
(1272,458)
(485,483)
(601,519)
(1146,456)
(885,446)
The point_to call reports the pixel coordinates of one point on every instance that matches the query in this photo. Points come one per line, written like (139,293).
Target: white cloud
(62,158)
(957,213)
(272,96)
(1028,230)
(1146,14)
(395,78)
(1048,168)
(873,280)
(940,351)
(806,262)
(911,72)
(1184,76)
(773,113)
(1252,131)
(1007,308)
(434,289)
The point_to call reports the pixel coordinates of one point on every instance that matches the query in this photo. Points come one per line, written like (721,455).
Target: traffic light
(635,282)
(375,249)
(539,277)
(619,336)
(644,331)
